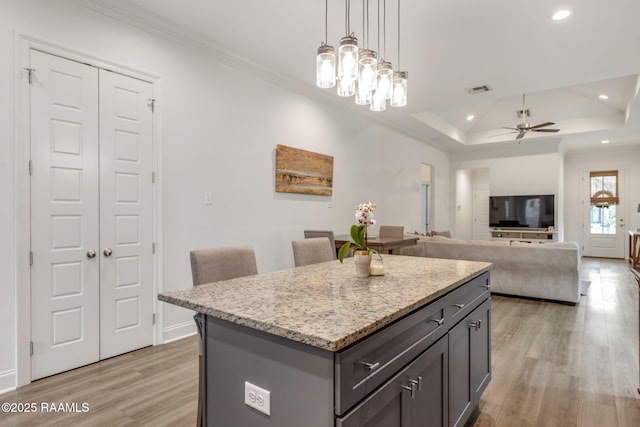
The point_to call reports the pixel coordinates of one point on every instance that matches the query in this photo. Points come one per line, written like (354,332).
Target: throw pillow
(441,233)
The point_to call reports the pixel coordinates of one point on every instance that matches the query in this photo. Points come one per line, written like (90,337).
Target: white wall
(464,204)
(523,170)
(219,129)
(606,157)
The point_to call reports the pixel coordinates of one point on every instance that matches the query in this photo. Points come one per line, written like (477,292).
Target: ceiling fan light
(399,93)
(326,66)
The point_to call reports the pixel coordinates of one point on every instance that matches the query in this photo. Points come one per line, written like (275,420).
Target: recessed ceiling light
(561,14)
(603,96)
(604,141)
(470,117)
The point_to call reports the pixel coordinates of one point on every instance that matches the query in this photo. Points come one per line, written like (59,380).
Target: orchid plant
(358,232)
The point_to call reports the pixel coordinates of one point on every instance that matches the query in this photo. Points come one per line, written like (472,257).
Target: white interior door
(481,215)
(64,220)
(603,227)
(91,214)
(126,280)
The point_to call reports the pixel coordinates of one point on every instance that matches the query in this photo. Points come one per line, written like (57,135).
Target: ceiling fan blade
(541,125)
(545,130)
(521,134)
(500,134)
(504,127)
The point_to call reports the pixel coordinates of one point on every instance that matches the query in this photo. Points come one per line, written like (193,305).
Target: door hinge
(30,348)
(30,167)
(30,72)
(152,104)
(153,177)
(153,247)
(153,319)
(30,257)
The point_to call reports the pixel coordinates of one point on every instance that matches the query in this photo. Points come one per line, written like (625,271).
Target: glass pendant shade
(326,66)
(399,95)
(346,87)
(385,75)
(348,58)
(367,69)
(378,103)
(363,94)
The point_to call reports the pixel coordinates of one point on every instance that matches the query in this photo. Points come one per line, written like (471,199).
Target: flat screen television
(535,211)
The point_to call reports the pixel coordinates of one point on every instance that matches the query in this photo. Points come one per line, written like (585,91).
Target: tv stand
(523,234)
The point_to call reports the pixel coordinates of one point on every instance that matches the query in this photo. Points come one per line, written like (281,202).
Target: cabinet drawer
(360,369)
(462,301)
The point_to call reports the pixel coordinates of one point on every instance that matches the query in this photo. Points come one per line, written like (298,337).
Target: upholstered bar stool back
(312,251)
(310,234)
(214,265)
(391,231)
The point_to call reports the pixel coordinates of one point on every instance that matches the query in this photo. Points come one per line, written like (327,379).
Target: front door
(91,214)
(603,223)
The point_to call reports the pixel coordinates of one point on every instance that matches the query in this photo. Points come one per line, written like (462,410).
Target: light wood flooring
(553,365)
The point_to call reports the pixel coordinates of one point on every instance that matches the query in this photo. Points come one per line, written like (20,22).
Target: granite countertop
(325,305)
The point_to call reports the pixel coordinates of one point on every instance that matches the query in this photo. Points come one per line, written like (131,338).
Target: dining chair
(310,234)
(214,265)
(391,231)
(312,251)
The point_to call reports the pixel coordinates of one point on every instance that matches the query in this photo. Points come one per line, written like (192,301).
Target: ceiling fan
(523,128)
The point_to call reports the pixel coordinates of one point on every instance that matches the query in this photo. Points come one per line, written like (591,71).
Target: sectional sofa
(549,271)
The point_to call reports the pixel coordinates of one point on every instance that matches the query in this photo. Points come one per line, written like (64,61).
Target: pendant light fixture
(399,89)
(361,71)
(326,58)
(347,58)
(367,60)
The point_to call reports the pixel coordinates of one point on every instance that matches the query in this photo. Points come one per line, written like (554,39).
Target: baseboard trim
(179,331)
(7,381)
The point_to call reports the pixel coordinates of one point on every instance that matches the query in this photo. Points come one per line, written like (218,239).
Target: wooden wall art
(304,172)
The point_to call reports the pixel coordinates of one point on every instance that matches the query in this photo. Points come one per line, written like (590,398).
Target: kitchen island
(317,346)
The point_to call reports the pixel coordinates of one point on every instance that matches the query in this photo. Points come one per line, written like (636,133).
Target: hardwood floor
(553,365)
(558,365)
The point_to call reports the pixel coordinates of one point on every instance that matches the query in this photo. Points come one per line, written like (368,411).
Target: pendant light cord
(326,20)
(399,68)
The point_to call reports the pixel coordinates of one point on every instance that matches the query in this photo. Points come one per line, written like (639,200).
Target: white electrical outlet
(258,398)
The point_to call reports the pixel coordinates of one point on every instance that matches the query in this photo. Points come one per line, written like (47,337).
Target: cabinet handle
(371,366)
(411,389)
(458,305)
(439,321)
(475,325)
(417,383)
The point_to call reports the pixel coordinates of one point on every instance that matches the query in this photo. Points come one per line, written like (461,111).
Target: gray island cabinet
(316,346)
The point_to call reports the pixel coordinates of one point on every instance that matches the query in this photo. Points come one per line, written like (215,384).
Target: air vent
(478,89)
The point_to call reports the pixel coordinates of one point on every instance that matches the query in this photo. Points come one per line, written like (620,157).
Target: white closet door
(64,214)
(126,290)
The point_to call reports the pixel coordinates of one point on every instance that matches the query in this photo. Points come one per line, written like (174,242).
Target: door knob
(91,254)
(107,252)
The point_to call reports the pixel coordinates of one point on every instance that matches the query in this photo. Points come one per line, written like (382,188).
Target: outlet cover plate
(257,398)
